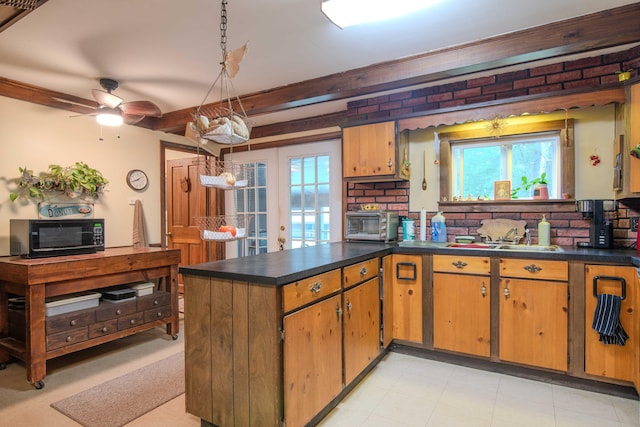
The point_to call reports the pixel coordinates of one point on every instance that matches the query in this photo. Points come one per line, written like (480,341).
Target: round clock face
(137,179)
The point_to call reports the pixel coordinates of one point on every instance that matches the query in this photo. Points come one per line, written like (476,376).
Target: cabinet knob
(155,302)
(132,321)
(506,292)
(74,322)
(118,311)
(104,329)
(315,288)
(363,271)
(69,339)
(483,290)
(159,314)
(349,306)
(390,163)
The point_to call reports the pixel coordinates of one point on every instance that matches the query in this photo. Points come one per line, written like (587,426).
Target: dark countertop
(280,268)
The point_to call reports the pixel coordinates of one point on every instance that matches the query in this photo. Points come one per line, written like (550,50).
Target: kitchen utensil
(424,172)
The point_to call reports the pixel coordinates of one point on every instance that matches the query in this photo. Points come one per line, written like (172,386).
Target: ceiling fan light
(345,13)
(109,117)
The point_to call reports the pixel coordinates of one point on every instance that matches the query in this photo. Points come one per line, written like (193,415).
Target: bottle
(439,228)
(544,231)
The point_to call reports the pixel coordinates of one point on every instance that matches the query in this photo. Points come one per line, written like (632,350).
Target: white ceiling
(168,51)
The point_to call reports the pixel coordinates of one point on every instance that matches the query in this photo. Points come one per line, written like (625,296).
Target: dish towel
(606,320)
(139,227)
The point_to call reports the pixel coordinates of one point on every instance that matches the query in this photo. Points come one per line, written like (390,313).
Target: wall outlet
(633,223)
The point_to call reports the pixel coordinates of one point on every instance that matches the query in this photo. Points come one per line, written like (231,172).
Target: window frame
(567,150)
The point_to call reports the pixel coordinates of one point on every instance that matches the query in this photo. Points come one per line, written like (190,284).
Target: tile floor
(402,390)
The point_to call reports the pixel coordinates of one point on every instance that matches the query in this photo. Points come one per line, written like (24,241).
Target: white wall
(35,136)
(594,134)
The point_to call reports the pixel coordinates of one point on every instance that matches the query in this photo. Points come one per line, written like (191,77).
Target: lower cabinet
(610,360)
(312,354)
(402,298)
(462,304)
(534,313)
(361,327)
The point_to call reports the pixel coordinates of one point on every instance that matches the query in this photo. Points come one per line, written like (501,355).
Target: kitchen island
(268,341)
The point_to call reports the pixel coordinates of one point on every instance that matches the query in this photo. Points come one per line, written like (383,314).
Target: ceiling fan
(113,111)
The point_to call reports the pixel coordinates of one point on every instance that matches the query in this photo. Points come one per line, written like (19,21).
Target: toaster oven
(381,226)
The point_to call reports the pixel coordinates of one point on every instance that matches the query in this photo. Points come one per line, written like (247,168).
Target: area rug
(123,399)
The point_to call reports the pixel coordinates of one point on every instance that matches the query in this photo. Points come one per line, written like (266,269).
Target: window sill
(551,205)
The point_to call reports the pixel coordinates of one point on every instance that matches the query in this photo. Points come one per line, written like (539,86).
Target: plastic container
(144,288)
(408,229)
(438,228)
(72,302)
(544,232)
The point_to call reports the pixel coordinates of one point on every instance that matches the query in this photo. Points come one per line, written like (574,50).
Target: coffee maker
(601,230)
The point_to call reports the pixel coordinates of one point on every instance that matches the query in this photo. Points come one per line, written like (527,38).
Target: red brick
(453,103)
(356,104)
(511,94)
(440,97)
(478,99)
(466,93)
(564,77)
(600,71)
(592,61)
(594,82)
(512,76)
(481,81)
(546,69)
(501,87)
(414,101)
(533,81)
(368,109)
(378,100)
(400,96)
(391,105)
(545,89)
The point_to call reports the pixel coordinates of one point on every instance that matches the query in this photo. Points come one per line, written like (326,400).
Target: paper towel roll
(423,225)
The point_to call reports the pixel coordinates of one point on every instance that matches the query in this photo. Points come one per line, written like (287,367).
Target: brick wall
(592,72)
(567,228)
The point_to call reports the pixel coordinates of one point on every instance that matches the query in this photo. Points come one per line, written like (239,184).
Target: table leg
(36,362)
(173,328)
(4,323)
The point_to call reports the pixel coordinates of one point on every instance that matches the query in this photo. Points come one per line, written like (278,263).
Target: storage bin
(72,302)
(144,288)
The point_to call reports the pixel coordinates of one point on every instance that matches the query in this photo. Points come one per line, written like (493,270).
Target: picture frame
(502,190)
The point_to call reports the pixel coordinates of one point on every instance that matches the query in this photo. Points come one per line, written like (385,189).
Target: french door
(294,197)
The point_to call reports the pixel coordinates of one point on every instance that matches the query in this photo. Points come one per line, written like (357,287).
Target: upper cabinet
(374,152)
(627,167)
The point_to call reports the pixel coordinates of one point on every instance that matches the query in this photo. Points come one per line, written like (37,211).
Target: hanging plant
(75,181)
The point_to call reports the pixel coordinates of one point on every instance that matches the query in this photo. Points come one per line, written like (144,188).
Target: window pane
(309,170)
(296,171)
(309,198)
(323,169)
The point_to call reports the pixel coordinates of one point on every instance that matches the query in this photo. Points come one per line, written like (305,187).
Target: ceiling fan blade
(132,119)
(141,108)
(105,98)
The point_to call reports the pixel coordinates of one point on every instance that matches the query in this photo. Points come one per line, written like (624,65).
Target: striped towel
(606,320)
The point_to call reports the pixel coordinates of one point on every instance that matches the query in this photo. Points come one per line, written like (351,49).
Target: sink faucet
(528,234)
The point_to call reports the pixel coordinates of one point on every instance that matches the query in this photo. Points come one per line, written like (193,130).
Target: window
(476,164)
(472,160)
(252,200)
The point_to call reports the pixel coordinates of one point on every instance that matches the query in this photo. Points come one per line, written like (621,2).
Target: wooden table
(37,279)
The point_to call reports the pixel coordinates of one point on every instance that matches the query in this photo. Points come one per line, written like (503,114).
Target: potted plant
(624,74)
(539,185)
(75,181)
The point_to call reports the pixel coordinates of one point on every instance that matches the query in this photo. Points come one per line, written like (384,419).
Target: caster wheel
(39,385)
(174,337)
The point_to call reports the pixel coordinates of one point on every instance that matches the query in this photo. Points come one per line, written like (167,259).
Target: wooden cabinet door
(461,313)
(369,150)
(612,361)
(533,323)
(361,327)
(407,297)
(312,353)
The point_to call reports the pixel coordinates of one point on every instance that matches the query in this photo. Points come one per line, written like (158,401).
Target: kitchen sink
(529,248)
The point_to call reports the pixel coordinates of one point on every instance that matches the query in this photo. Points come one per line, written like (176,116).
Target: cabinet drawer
(130,321)
(360,272)
(534,269)
(462,264)
(62,339)
(109,310)
(75,319)
(157,313)
(299,293)
(103,328)
(157,299)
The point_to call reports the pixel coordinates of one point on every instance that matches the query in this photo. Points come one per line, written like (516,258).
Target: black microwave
(39,238)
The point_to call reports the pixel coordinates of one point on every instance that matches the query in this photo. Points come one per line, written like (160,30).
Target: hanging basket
(225,175)
(224,228)
(222,125)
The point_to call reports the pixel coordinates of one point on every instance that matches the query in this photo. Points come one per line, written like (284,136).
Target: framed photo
(502,190)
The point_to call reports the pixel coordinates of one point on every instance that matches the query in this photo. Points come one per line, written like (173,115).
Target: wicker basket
(224,228)
(222,125)
(225,175)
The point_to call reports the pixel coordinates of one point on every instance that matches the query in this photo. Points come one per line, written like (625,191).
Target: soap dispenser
(439,228)
(544,238)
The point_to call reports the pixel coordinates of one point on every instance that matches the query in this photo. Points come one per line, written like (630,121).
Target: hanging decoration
(219,122)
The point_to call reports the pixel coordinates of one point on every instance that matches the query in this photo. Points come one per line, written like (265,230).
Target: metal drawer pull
(132,321)
(532,268)
(506,292)
(349,306)
(155,302)
(159,314)
(623,284)
(69,339)
(406,264)
(363,271)
(338,310)
(118,311)
(74,322)
(459,264)
(315,288)
(104,329)
(483,290)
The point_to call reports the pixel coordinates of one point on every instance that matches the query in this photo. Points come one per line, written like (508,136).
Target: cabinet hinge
(281,330)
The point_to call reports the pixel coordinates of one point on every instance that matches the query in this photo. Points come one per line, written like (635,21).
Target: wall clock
(137,179)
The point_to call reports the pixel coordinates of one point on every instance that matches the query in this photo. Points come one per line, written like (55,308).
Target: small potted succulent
(539,186)
(624,74)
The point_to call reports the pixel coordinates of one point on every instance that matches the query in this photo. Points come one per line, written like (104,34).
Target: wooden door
(461,313)
(369,150)
(533,323)
(361,327)
(186,201)
(312,353)
(407,297)
(611,361)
